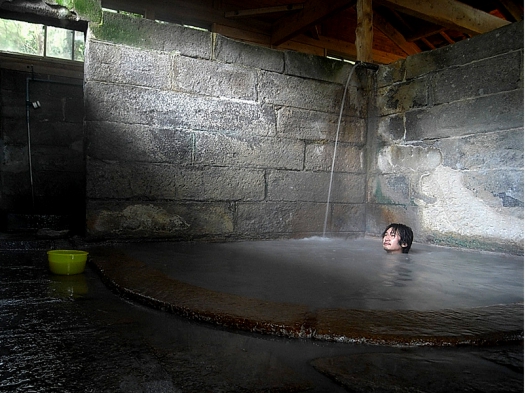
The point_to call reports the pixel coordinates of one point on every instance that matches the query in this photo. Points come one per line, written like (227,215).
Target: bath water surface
(338,273)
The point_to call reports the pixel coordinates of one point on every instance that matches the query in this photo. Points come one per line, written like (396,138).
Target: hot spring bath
(345,290)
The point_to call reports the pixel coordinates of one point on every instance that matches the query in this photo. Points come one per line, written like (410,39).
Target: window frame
(69,28)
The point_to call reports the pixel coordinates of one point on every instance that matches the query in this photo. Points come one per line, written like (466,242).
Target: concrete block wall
(448,153)
(192,135)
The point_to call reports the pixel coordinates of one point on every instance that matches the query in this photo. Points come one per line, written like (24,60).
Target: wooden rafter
(423,33)
(447,38)
(428,43)
(313,12)
(449,13)
(262,11)
(347,49)
(394,35)
(324,27)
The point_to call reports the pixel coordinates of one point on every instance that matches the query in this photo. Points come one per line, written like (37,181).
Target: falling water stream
(335,151)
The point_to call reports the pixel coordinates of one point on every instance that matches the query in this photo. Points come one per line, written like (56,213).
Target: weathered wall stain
(449,144)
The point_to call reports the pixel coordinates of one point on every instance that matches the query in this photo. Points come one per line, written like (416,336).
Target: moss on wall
(89,10)
(121,30)
(379,196)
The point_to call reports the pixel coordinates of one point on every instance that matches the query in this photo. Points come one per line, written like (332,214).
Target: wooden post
(364,31)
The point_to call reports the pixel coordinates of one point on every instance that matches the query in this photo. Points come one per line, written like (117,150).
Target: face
(392,242)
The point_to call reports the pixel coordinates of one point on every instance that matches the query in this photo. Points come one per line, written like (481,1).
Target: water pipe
(28,106)
(35,105)
(370,66)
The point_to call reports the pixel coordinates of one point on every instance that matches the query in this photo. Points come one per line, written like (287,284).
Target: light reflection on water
(337,273)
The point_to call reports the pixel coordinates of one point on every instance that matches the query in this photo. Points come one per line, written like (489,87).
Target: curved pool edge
(137,281)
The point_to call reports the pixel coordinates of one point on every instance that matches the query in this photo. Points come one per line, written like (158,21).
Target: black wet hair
(405,234)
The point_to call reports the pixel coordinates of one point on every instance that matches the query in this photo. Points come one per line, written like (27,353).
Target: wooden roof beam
(394,35)
(428,43)
(346,49)
(447,37)
(449,13)
(312,13)
(424,32)
(262,11)
(364,31)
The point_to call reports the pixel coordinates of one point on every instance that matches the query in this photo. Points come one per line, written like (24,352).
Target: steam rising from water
(336,273)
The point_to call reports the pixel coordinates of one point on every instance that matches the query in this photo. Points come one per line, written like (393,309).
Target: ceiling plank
(413,31)
(343,49)
(447,38)
(425,32)
(262,11)
(449,13)
(364,31)
(241,34)
(299,46)
(428,43)
(196,12)
(394,35)
(313,11)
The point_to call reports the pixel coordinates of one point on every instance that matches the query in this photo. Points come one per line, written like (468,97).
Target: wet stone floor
(73,334)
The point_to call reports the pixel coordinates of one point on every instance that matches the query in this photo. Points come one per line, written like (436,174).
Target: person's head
(397,238)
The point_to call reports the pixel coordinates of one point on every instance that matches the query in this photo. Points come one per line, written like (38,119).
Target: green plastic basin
(67,262)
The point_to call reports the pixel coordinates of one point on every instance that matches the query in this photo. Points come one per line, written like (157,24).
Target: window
(41,40)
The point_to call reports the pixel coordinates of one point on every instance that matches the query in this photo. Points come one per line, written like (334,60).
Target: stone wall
(449,146)
(192,135)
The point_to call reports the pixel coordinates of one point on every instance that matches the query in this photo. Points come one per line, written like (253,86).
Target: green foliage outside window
(41,40)
(79,45)
(21,37)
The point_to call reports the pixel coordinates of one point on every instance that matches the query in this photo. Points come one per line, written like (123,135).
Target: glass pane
(59,43)
(21,37)
(79,46)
